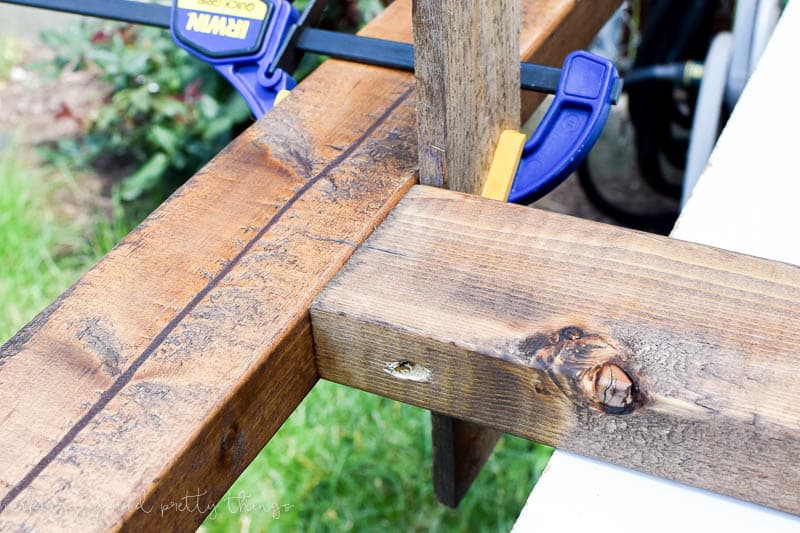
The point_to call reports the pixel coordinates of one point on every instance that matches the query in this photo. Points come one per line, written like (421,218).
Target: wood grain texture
(460,449)
(167,367)
(467,84)
(668,357)
(466,63)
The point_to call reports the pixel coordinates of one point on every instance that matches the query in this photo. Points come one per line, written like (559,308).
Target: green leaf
(134,62)
(208,106)
(217,128)
(107,116)
(145,179)
(140,99)
(169,107)
(105,59)
(165,139)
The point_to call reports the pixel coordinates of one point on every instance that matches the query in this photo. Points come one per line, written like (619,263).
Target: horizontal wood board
(664,356)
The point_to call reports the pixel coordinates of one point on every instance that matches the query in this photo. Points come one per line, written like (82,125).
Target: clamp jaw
(241,40)
(524,173)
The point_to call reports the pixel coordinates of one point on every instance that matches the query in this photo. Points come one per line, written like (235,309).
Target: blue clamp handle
(240,45)
(570,127)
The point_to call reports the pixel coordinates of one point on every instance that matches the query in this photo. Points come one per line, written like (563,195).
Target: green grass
(347,460)
(32,273)
(41,254)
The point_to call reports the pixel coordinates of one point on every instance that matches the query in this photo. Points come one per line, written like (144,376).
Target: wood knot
(231,447)
(570,333)
(610,388)
(587,368)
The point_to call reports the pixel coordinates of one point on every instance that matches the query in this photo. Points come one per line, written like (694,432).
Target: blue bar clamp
(242,40)
(566,134)
(246,39)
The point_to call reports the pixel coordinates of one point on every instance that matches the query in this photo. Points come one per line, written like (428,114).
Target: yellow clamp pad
(504,165)
(281,96)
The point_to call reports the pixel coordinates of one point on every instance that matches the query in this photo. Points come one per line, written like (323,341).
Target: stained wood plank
(167,367)
(460,449)
(466,55)
(467,79)
(668,357)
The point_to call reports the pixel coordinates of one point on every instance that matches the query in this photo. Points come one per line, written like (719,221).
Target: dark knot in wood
(587,368)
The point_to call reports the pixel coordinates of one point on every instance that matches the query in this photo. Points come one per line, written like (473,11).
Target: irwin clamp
(256,44)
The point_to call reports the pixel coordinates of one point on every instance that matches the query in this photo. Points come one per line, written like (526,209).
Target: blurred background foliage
(165,115)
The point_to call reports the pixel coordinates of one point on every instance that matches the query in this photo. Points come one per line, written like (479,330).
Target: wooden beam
(664,356)
(725,211)
(467,71)
(468,77)
(168,367)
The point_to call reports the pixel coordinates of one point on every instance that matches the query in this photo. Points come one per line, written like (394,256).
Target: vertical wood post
(467,74)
